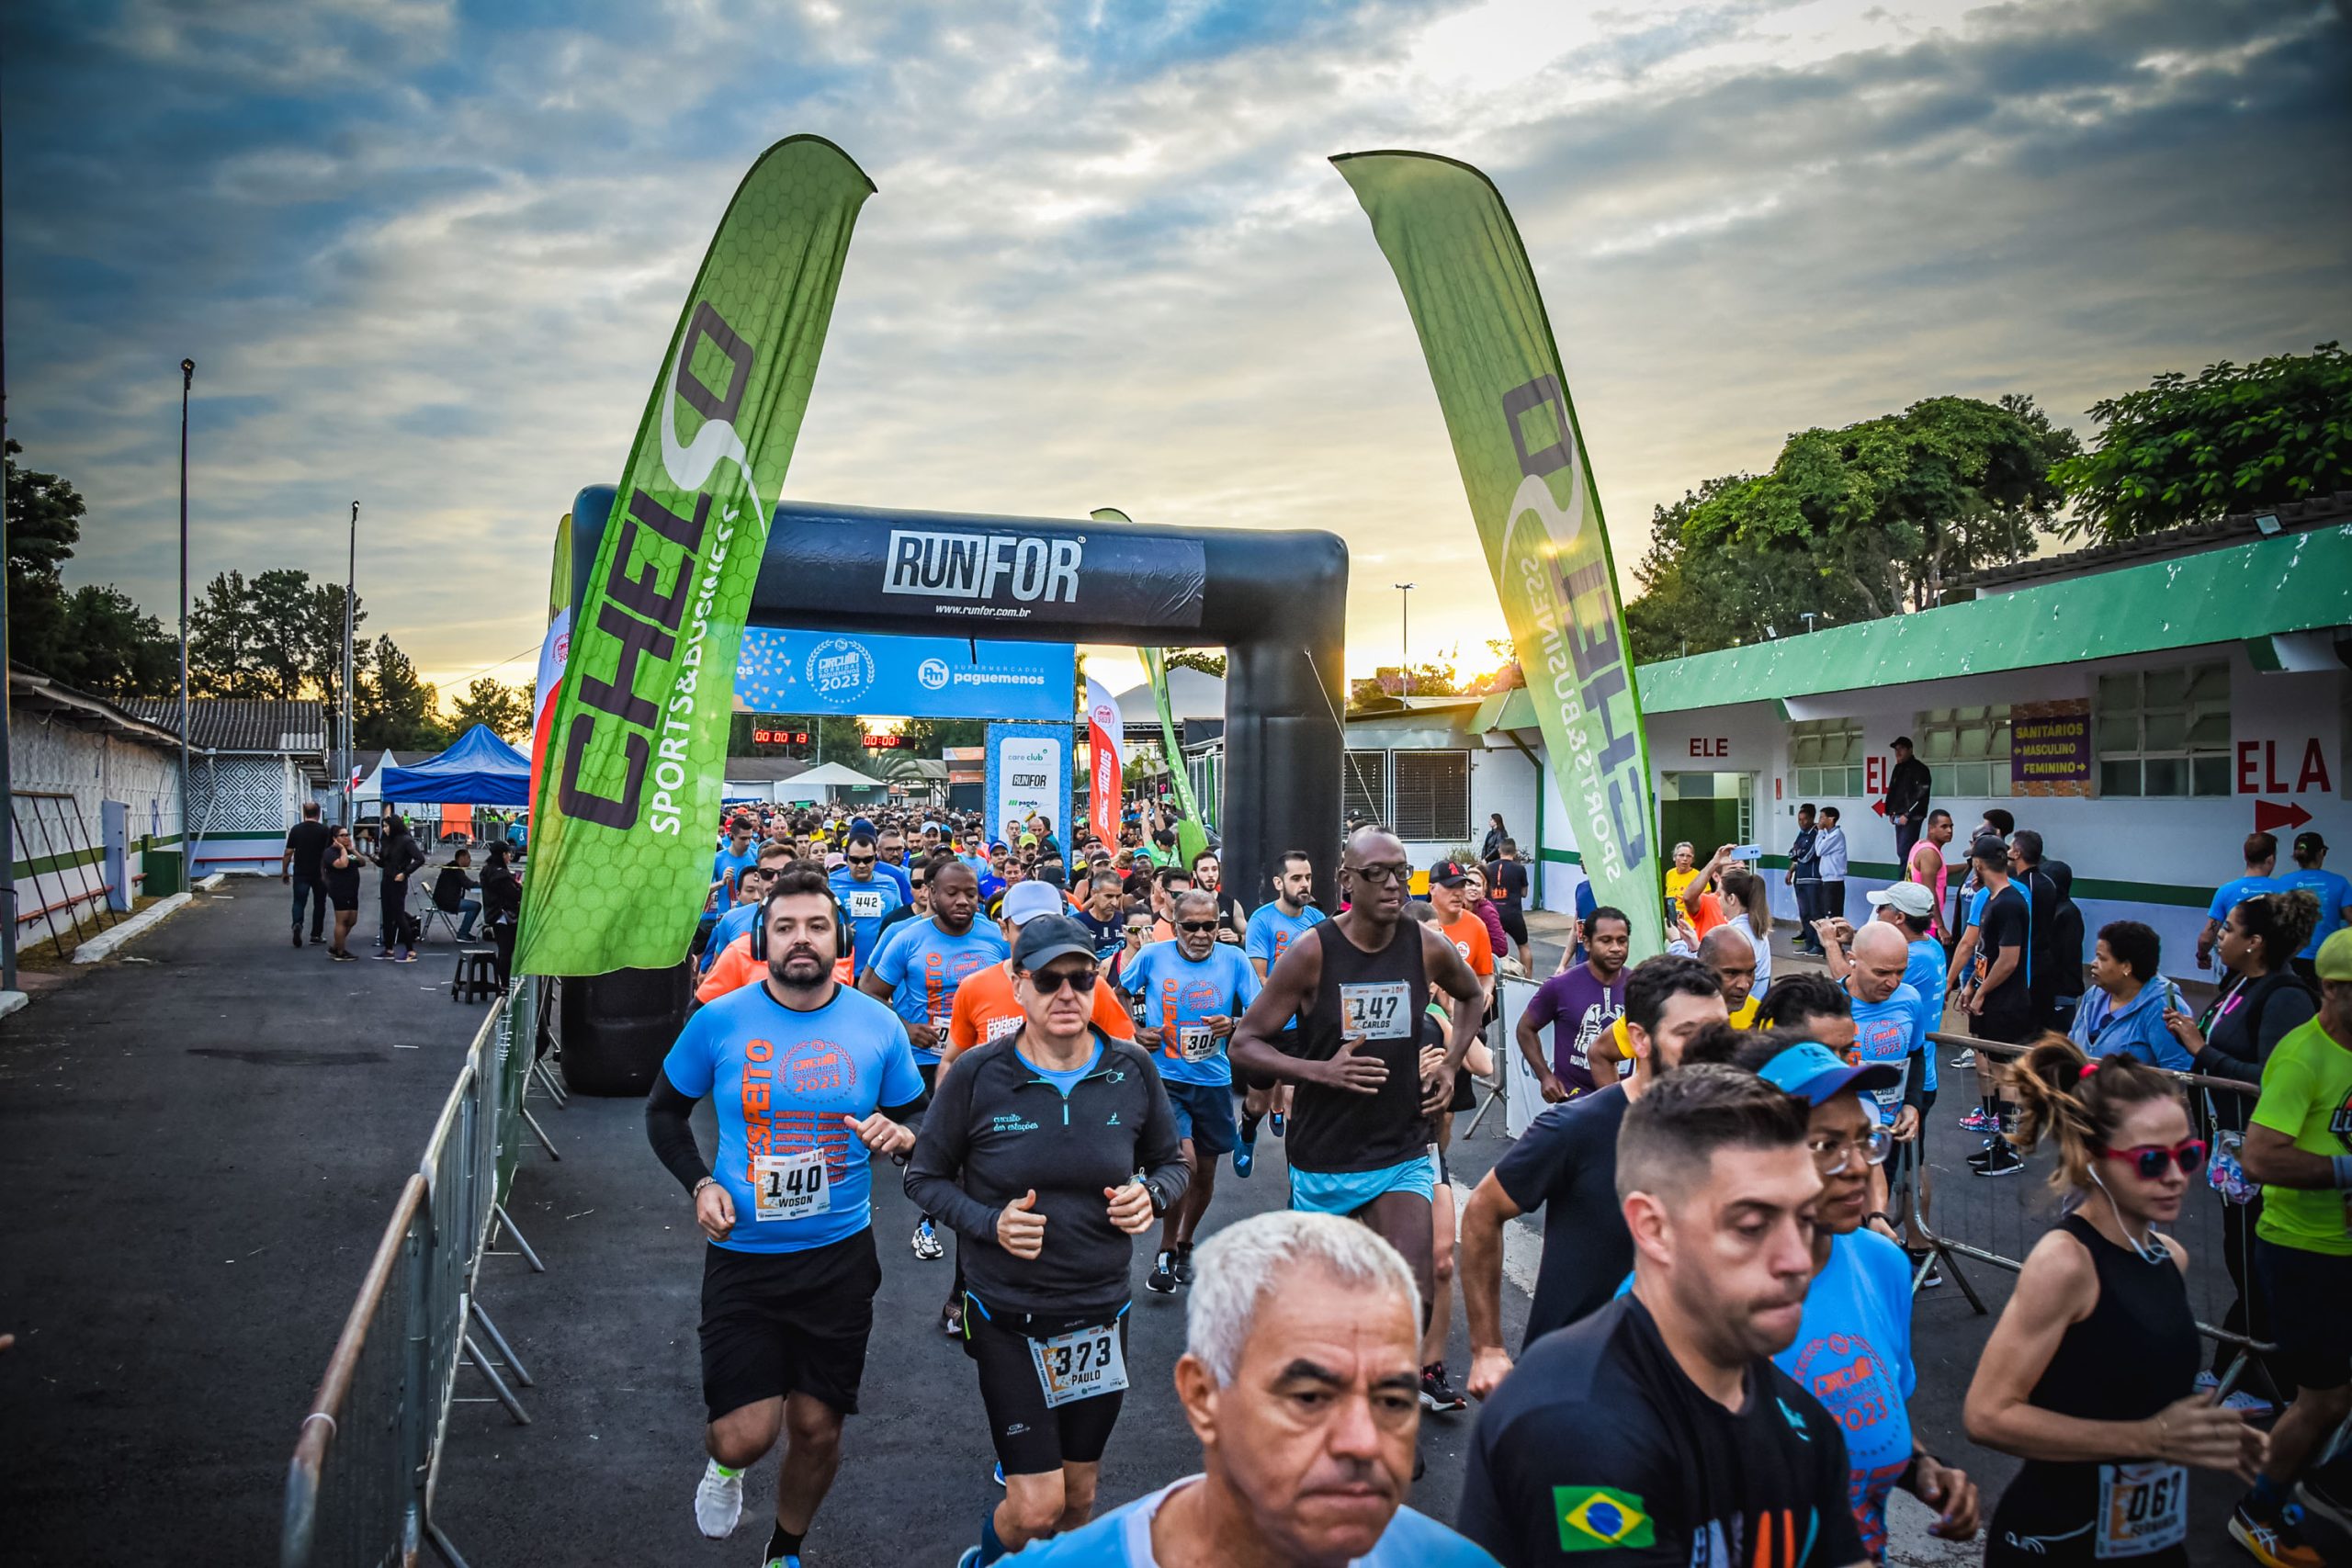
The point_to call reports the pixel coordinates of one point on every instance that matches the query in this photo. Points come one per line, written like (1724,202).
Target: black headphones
(760,927)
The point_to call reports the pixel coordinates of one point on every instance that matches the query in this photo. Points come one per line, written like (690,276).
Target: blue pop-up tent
(478,769)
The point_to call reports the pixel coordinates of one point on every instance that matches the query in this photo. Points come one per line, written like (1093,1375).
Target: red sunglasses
(2150,1159)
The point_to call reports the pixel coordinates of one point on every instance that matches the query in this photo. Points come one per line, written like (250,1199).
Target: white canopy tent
(824,783)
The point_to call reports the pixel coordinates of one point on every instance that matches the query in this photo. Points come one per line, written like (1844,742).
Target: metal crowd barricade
(360,1487)
(1996,1220)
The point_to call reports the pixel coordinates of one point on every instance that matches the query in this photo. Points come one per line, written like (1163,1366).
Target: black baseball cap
(1049,937)
(1448,873)
(2306,842)
(1991,846)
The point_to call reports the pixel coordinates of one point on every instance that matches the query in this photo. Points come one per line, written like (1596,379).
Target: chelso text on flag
(627,800)
(1472,297)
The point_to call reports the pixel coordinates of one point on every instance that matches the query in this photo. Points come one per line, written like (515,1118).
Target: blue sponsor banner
(922,677)
(1028,771)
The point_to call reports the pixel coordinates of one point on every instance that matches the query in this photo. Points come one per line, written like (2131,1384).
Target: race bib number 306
(1080,1364)
(790,1187)
(1194,1042)
(1381,1009)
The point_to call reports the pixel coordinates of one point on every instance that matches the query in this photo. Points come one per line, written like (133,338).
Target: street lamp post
(350,578)
(187,845)
(1405,633)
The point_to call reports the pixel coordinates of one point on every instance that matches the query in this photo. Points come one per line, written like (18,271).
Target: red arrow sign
(2269,818)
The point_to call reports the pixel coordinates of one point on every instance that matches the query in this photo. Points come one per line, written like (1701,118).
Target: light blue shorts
(1344,1192)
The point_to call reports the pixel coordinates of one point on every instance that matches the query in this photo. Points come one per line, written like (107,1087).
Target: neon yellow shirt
(2307,1095)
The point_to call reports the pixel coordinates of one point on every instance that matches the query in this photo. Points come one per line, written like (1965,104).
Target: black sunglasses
(859,860)
(1049,981)
(1196,925)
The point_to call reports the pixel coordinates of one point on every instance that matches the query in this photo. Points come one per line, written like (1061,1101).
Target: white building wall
(62,775)
(2288,738)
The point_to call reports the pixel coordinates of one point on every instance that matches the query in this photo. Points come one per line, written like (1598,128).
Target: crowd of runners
(1060,1051)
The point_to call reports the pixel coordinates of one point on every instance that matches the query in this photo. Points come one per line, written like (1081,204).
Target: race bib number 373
(1081,1365)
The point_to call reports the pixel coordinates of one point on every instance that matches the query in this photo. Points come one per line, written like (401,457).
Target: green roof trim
(2292,583)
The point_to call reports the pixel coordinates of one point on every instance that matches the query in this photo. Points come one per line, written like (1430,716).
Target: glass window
(1363,784)
(1432,792)
(2164,732)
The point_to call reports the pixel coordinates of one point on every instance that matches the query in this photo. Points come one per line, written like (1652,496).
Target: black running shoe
(1437,1394)
(1162,1280)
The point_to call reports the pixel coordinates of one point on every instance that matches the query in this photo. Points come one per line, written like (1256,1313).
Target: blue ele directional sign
(781,670)
(1028,772)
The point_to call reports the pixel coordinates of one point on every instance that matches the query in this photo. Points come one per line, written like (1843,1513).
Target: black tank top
(2135,1353)
(1379,995)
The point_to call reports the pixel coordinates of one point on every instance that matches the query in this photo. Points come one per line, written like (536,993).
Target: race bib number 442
(1377,1009)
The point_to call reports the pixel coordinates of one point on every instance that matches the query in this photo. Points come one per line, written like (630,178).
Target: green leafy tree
(1853,524)
(930,737)
(504,709)
(323,641)
(225,645)
(44,524)
(2237,438)
(393,708)
(1199,659)
(114,649)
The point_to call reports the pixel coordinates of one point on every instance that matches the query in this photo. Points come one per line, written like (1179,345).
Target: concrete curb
(13,1001)
(212,883)
(102,945)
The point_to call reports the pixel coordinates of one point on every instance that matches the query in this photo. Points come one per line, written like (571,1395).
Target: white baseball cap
(1025,901)
(1908,898)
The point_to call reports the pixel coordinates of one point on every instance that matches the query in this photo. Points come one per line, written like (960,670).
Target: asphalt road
(199,1150)
(168,1345)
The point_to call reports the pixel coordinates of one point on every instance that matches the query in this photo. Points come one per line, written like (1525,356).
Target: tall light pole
(350,576)
(1405,633)
(187,844)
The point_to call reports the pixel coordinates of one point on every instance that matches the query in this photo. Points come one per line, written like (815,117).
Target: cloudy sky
(428,254)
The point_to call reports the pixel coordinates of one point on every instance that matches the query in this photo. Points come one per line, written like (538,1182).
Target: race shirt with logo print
(1468,935)
(1890,1031)
(865,905)
(987,1009)
(923,965)
(1271,932)
(1853,1353)
(1598,1442)
(1180,996)
(781,1081)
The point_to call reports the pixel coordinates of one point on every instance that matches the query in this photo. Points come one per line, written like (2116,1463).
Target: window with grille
(2163,732)
(1363,784)
(1432,790)
(1826,756)
(1966,750)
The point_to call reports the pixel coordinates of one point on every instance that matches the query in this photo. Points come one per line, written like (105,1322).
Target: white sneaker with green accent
(718,1500)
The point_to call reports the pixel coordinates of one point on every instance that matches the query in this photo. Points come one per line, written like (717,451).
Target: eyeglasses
(1835,1154)
(1049,981)
(1384,871)
(2150,1159)
(1196,927)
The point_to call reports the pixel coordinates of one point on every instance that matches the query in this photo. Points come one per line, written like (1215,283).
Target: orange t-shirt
(1468,934)
(985,1009)
(1706,913)
(735,968)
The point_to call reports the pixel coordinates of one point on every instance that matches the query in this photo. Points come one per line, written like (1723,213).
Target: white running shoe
(926,1243)
(718,1502)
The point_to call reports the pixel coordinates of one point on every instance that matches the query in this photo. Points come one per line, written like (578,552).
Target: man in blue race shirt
(917,971)
(1852,1351)
(2261,860)
(738,920)
(808,1079)
(734,856)
(1299,1378)
(1193,990)
(868,896)
(1887,1023)
(1271,928)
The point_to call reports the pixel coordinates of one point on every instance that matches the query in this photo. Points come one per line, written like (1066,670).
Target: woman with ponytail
(2090,1375)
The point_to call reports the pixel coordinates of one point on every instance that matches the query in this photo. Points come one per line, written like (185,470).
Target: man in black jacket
(1030,1151)
(1907,798)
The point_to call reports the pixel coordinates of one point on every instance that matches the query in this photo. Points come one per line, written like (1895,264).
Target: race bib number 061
(1378,1009)
(2141,1508)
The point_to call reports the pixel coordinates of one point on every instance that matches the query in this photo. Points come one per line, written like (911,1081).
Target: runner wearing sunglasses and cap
(1030,1152)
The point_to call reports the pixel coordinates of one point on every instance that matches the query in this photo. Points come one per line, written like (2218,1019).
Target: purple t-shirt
(1580,1007)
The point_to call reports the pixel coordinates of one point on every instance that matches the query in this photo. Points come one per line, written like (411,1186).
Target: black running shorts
(1031,1437)
(2306,1292)
(780,1322)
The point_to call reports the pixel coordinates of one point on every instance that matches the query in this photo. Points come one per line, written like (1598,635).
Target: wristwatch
(1159,1200)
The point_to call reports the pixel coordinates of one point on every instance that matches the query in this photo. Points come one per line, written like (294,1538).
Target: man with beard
(1658,1428)
(809,1078)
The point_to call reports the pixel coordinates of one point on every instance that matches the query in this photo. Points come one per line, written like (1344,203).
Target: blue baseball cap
(1818,1075)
